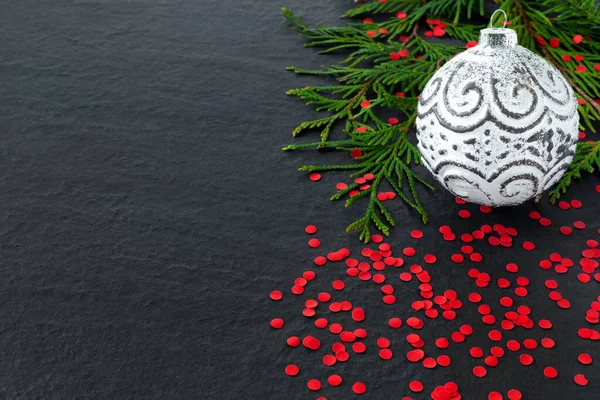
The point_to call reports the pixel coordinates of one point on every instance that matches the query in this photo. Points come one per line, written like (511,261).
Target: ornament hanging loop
(505,18)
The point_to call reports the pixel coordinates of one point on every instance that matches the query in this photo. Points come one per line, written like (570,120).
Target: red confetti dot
(565,230)
(342,356)
(550,372)
(506,301)
(358,314)
(300,282)
(467,238)
(415,355)
(512,267)
(309,275)
(554,43)
(359,347)
(527,245)
(430,258)
(514,394)
(521,292)
(443,360)
(395,323)
(383,343)
(310,229)
(457,258)
(495,335)
(355,153)
(457,337)
(497,351)
(315,177)
(484,309)
(449,315)
(277,323)
(309,312)
(474,297)
(292,370)
(314,384)
(579,224)
(359,388)
(545,324)
(564,303)
(429,362)
(320,261)
(365,104)
(329,359)
(513,345)
(547,343)
(347,336)
(314,243)
(545,222)
(464,214)
(522,281)
(466,330)
(321,323)
(580,379)
(389,299)
(415,386)
(526,359)
(476,257)
(276,295)
(476,352)
(479,371)
(293,341)
(385,354)
(584,278)
(311,343)
(360,333)
(334,380)
(494,396)
(503,283)
(485,209)
(338,285)
(584,358)
(442,343)
(416,234)
(577,39)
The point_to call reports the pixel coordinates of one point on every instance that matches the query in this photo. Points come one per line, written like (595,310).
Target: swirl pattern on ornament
(497,127)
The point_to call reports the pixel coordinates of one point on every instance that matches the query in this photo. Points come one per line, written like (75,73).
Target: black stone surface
(147,212)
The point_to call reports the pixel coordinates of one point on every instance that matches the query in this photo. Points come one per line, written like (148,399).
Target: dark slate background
(147,212)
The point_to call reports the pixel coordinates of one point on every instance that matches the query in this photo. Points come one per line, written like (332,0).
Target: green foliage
(587,159)
(370,81)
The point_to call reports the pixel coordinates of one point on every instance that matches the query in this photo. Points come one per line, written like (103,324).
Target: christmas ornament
(497,124)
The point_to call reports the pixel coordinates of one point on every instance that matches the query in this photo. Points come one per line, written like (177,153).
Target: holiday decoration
(497,124)
(367,100)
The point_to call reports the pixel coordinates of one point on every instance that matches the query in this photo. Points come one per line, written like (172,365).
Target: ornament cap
(498,38)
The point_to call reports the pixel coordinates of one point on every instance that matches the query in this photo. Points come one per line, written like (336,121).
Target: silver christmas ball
(497,124)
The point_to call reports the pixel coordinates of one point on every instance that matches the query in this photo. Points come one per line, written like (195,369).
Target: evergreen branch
(526,22)
(587,159)
(381,72)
